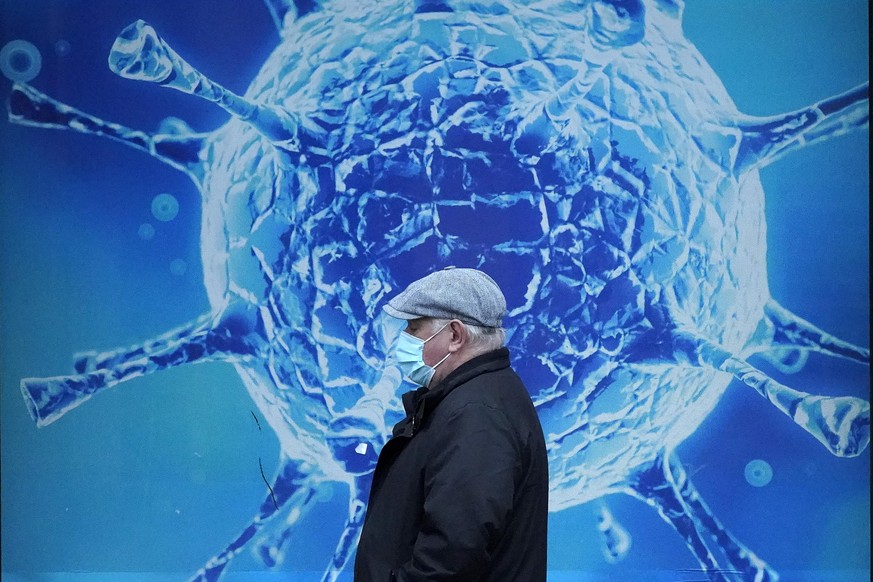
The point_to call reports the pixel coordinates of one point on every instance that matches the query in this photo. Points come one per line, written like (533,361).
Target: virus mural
(581,152)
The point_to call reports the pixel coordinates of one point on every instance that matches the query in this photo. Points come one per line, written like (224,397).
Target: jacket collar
(421,402)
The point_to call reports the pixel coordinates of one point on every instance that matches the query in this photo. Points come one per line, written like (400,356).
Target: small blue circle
(20,61)
(178,267)
(146,231)
(62,48)
(758,473)
(165,207)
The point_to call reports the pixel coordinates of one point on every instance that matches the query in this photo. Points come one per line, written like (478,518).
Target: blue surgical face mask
(410,358)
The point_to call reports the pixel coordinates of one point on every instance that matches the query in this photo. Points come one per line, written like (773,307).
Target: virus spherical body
(580,152)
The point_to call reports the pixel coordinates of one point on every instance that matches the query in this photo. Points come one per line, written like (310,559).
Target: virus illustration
(582,152)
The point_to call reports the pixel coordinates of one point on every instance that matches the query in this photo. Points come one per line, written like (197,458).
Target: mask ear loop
(436,333)
(433,336)
(441,361)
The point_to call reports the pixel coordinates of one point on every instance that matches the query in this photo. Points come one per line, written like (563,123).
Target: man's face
(437,347)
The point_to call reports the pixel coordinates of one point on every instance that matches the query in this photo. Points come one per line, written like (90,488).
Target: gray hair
(482,339)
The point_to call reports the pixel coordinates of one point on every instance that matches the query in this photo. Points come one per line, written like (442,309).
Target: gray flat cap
(465,294)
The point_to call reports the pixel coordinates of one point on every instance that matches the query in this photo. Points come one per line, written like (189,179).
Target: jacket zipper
(419,413)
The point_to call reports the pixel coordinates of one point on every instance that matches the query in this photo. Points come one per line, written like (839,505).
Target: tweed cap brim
(452,293)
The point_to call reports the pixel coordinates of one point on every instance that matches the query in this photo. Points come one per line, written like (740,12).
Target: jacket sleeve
(470,483)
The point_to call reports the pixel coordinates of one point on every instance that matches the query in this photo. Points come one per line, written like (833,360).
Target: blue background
(160,473)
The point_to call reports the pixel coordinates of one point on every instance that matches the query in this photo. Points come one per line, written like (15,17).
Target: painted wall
(104,247)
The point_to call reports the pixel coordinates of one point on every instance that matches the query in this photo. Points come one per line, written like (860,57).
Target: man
(460,492)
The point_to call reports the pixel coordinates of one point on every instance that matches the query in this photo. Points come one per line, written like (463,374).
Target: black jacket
(460,492)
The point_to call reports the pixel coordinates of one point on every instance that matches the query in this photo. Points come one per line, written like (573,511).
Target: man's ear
(459,337)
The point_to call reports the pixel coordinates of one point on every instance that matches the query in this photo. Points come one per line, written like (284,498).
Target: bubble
(62,48)
(20,61)
(758,473)
(165,207)
(178,267)
(146,231)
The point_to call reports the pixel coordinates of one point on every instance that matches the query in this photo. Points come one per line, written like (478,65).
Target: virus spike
(573,92)
(92,361)
(140,54)
(785,330)
(280,10)
(840,423)
(27,106)
(204,340)
(657,487)
(740,558)
(348,540)
(292,492)
(766,139)
(546,126)
(666,486)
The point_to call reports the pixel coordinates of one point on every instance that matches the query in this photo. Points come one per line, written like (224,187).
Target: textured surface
(583,154)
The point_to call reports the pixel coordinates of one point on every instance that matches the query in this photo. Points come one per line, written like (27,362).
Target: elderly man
(460,491)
